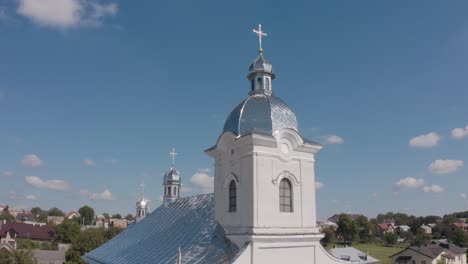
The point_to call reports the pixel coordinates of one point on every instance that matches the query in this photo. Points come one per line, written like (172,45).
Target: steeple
(260,71)
(172,182)
(141,204)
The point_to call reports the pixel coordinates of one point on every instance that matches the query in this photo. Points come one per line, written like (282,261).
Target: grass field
(377,251)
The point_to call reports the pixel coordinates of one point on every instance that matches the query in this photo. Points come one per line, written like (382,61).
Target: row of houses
(431,254)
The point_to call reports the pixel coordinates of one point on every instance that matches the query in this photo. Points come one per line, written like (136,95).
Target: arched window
(267,83)
(169,191)
(253,85)
(175,191)
(259,83)
(232,196)
(285,196)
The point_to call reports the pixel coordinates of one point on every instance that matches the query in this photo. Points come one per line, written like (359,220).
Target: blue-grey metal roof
(261,65)
(262,112)
(353,255)
(188,223)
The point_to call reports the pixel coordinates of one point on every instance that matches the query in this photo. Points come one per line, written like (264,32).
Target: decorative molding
(288,175)
(229,178)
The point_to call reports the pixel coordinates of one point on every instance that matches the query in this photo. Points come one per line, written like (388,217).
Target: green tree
(364,227)
(421,238)
(117,216)
(87,214)
(18,257)
(5,215)
(88,240)
(56,212)
(129,217)
(67,231)
(106,215)
(111,232)
(36,211)
(347,228)
(390,238)
(460,238)
(329,235)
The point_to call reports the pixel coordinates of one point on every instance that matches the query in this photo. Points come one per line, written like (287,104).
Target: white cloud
(425,141)
(333,139)
(463,195)
(8,173)
(202,181)
(89,162)
(31,197)
(433,188)
(459,133)
(408,183)
(56,185)
(111,161)
(185,189)
(66,13)
(32,160)
(319,185)
(445,166)
(104,195)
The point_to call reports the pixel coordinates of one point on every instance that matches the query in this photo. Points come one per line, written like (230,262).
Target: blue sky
(94,94)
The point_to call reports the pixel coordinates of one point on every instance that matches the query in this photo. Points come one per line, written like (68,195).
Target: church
(263,208)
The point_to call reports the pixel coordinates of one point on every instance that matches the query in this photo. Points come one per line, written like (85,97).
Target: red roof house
(387,228)
(21,230)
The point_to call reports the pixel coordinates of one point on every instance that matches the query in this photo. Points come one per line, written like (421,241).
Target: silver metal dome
(172,175)
(261,65)
(261,113)
(142,203)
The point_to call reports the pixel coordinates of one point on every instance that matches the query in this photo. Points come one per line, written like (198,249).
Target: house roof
(49,256)
(385,226)
(434,250)
(188,223)
(28,231)
(353,255)
(71,213)
(25,217)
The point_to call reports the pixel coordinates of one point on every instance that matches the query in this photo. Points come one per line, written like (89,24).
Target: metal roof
(260,112)
(353,255)
(188,223)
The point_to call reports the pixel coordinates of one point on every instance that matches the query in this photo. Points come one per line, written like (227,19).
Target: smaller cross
(260,34)
(142,185)
(173,154)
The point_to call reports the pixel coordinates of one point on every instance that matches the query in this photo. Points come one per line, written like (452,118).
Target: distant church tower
(141,205)
(172,183)
(264,175)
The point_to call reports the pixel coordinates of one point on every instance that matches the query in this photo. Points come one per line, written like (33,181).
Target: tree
(87,214)
(390,238)
(364,227)
(56,212)
(421,238)
(67,231)
(460,238)
(347,228)
(36,211)
(18,257)
(5,215)
(117,216)
(129,217)
(106,215)
(329,235)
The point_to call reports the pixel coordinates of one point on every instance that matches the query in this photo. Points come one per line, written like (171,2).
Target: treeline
(82,241)
(87,215)
(362,230)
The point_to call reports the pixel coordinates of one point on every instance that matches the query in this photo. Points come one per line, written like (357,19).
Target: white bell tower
(265,176)
(172,182)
